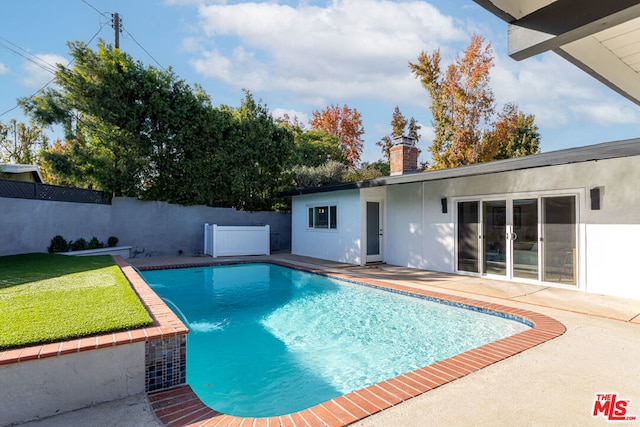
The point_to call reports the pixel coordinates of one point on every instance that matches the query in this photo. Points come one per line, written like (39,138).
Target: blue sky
(301,56)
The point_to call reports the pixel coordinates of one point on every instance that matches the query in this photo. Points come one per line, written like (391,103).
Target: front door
(374,231)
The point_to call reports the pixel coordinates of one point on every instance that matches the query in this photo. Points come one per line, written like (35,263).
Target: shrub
(94,243)
(58,244)
(79,245)
(112,241)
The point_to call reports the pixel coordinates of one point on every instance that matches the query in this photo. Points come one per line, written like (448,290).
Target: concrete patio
(554,383)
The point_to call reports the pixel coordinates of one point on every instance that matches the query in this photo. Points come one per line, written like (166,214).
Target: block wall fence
(151,228)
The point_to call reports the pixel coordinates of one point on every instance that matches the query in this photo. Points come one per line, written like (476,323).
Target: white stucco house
(568,218)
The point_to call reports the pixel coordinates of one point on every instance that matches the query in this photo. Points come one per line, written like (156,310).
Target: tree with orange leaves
(346,124)
(514,134)
(463,107)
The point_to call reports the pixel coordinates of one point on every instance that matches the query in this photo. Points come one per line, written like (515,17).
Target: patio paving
(554,383)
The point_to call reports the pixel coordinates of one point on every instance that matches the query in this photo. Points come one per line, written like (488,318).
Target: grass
(49,298)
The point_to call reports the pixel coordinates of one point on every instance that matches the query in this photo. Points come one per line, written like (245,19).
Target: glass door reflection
(524,238)
(494,232)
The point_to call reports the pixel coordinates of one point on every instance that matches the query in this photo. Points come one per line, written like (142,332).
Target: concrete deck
(554,383)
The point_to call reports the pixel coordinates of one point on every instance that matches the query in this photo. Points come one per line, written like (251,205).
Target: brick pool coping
(165,324)
(180,406)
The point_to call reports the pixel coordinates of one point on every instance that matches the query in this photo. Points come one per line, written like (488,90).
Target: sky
(302,56)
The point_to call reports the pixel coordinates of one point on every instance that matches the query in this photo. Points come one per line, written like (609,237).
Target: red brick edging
(180,406)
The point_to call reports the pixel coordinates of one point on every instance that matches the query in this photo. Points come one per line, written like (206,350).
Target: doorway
(374,232)
(531,238)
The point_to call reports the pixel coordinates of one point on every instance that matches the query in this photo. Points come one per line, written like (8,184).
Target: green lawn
(48,298)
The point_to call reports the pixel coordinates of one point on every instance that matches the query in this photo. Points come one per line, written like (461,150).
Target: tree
(121,119)
(330,172)
(398,125)
(344,123)
(313,147)
(21,143)
(367,171)
(253,157)
(514,134)
(462,102)
(139,131)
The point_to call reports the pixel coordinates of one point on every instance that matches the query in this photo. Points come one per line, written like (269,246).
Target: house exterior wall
(419,235)
(342,244)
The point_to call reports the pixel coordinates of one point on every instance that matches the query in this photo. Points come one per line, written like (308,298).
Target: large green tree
(123,121)
(313,147)
(140,131)
(253,157)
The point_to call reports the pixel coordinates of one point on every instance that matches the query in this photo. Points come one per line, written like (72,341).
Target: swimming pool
(266,340)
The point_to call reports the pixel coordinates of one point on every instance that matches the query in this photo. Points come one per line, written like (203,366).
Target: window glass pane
(468,229)
(494,231)
(559,230)
(310,217)
(321,219)
(333,217)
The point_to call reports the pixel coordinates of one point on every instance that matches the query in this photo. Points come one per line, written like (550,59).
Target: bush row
(60,244)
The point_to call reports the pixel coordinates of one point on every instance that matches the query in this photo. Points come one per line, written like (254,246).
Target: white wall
(342,244)
(40,388)
(612,259)
(405,226)
(420,235)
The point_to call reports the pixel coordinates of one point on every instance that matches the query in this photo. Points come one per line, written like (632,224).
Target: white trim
(580,206)
(329,205)
(382,225)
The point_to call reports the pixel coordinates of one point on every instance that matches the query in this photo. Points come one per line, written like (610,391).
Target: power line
(4,43)
(142,47)
(116,23)
(94,8)
(44,67)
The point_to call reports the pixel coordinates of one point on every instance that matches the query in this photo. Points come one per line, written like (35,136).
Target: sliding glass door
(468,236)
(524,237)
(494,237)
(533,238)
(559,239)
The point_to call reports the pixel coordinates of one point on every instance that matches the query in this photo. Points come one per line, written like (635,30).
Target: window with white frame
(323,217)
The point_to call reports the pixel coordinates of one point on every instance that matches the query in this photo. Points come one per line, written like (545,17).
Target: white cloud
(608,113)
(3,69)
(281,112)
(357,51)
(35,76)
(557,93)
(344,49)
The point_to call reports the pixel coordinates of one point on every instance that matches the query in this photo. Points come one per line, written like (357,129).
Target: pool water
(267,340)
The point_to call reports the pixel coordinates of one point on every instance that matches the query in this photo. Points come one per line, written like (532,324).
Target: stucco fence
(150,228)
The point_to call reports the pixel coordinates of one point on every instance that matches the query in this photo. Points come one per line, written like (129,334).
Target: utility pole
(116,23)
